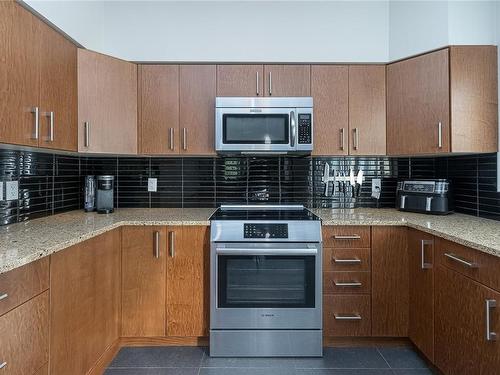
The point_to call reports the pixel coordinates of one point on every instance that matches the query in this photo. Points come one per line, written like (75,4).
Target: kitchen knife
(326,177)
(359,181)
(352,181)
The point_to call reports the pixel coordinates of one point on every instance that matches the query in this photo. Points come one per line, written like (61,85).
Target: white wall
(341,31)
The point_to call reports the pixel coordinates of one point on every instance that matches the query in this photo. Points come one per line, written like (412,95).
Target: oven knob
(268,235)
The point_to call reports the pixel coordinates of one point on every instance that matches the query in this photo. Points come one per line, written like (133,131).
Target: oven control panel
(264,231)
(305,128)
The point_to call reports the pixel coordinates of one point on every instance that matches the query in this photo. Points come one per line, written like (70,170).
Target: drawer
(346,236)
(346,315)
(21,284)
(346,259)
(347,283)
(24,332)
(477,265)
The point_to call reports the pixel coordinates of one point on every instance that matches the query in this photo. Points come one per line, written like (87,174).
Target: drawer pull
(350,237)
(490,304)
(347,283)
(353,260)
(3,364)
(3,296)
(347,316)
(461,261)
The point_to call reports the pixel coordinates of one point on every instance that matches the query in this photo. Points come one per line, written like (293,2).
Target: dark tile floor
(336,361)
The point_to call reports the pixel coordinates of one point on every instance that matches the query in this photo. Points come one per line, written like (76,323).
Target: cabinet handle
(171,141)
(461,261)
(257,83)
(347,283)
(3,296)
(425,265)
(184,139)
(490,304)
(353,260)
(270,83)
(36,112)
(3,364)
(342,140)
(440,135)
(347,317)
(350,237)
(86,126)
(50,115)
(355,141)
(157,244)
(171,240)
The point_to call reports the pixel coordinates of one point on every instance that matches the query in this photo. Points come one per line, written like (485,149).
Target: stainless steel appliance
(104,194)
(264,125)
(89,194)
(425,196)
(265,282)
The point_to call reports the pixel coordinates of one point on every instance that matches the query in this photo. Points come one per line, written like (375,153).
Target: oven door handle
(264,251)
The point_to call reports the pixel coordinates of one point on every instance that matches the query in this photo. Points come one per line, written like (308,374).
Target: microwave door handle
(293,126)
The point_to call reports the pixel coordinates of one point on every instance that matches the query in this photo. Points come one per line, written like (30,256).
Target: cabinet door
(330,92)
(389,281)
(240,80)
(58,91)
(421,260)
(159,109)
(188,284)
(197,109)
(107,104)
(460,325)
(367,110)
(19,74)
(287,80)
(84,303)
(418,101)
(24,334)
(143,281)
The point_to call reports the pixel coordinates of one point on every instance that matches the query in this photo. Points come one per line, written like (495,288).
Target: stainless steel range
(265,282)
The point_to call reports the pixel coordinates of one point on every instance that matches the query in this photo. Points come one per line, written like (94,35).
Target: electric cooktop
(263,212)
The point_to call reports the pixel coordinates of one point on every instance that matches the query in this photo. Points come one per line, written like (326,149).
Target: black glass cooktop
(263,213)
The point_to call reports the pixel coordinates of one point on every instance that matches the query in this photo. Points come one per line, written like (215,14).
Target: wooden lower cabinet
(143,281)
(188,283)
(346,315)
(390,281)
(461,346)
(84,303)
(24,337)
(44,370)
(421,262)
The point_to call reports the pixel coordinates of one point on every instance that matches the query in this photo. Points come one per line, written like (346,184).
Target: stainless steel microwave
(249,125)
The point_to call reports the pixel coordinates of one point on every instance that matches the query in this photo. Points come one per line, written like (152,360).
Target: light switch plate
(1,191)
(11,190)
(152,184)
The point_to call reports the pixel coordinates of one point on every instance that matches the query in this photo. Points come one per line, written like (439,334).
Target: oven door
(256,129)
(266,286)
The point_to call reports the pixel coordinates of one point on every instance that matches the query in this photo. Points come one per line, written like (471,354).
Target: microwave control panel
(305,128)
(265,231)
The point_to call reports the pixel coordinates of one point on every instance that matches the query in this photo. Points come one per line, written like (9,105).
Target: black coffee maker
(104,195)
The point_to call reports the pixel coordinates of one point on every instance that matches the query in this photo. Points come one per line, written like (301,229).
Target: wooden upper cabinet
(418,105)
(19,74)
(197,93)
(143,281)
(460,317)
(188,281)
(158,109)
(421,262)
(240,80)
(474,98)
(330,92)
(107,104)
(367,110)
(287,80)
(58,91)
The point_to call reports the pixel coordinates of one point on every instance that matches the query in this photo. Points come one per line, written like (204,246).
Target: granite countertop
(26,242)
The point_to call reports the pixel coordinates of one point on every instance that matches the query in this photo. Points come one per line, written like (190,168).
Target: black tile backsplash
(52,183)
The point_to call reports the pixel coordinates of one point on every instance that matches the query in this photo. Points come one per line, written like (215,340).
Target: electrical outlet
(1,191)
(376,187)
(11,190)
(152,184)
